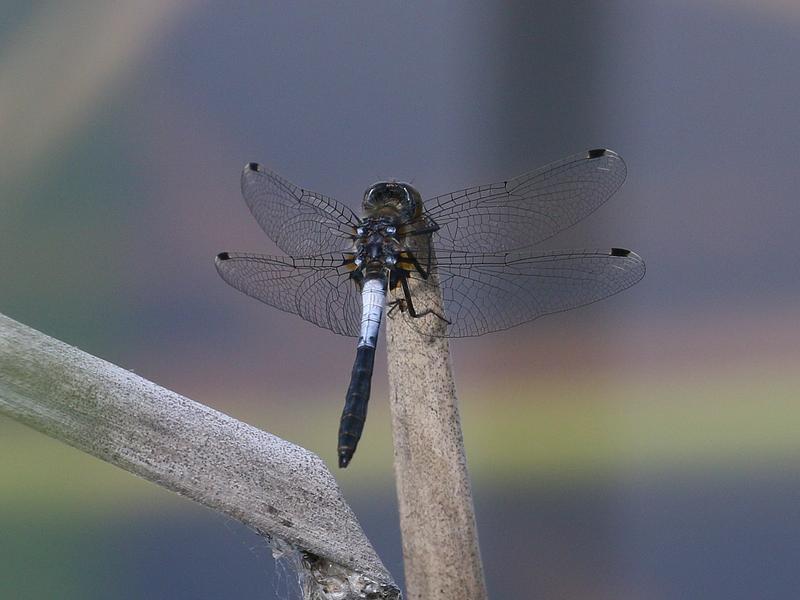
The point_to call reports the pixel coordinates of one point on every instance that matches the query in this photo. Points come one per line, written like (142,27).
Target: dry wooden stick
(437,519)
(276,487)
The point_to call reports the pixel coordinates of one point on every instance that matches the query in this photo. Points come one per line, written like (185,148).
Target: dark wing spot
(223,256)
(620,252)
(596,153)
(251,167)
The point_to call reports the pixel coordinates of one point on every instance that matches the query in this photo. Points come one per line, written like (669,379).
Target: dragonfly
(474,245)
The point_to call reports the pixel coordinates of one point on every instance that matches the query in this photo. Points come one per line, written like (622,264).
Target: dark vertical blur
(548,59)
(549,100)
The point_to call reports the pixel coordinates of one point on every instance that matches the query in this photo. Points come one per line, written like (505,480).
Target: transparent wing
(491,292)
(318,289)
(523,211)
(300,222)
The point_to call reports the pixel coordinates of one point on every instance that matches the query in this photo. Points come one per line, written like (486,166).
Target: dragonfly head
(393,198)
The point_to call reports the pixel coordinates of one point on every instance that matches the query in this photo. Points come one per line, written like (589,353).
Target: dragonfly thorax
(377,246)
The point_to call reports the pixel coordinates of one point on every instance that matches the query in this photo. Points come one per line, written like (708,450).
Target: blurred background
(645,447)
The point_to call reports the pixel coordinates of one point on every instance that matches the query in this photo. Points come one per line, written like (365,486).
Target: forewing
(485,293)
(318,289)
(300,222)
(520,212)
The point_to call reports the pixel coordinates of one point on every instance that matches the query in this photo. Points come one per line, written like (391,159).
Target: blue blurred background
(643,448)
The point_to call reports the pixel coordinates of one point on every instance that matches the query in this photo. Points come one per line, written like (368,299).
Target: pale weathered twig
(276,487)
(437,518)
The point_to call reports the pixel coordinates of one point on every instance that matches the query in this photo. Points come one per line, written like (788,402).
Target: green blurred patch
(40,474)
(71,226)
(556,433)
(733,421)
(44,555)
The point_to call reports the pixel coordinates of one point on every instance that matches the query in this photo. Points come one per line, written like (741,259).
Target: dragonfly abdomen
(355,405)
(354,414)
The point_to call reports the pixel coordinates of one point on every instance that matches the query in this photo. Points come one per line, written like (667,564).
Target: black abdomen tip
(251,167)
(620,252)
(223,256)
(596,153)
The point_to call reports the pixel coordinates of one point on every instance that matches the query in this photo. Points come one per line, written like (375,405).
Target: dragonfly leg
(395,305)
(424,273)
(410,305)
